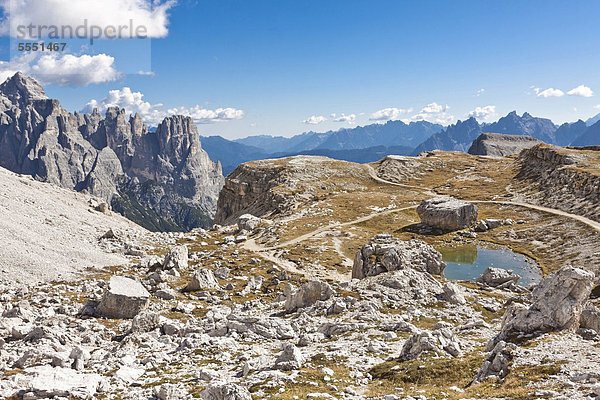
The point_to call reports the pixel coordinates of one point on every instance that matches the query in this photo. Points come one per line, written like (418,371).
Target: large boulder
(453,294)
(202,279)
(497,363)
(498,277)
(290,358)
(266,327)
(49,382)
(447,213)
(385,253)
(169,391)
(590,317)
(557,304)
(177,257)
(248,222)
(440,341)
(124,298)
(307,295)
(145,321)
(409,284)
(225,391)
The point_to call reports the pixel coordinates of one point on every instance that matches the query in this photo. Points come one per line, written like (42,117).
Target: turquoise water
(467,263)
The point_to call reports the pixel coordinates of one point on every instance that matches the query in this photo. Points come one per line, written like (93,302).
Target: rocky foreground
(338,294)
(182,327)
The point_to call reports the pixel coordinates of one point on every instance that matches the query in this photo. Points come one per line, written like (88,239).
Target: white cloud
(483,113)
(70,70)
(550,92)
(433,108)
(63,70)
(153,114)
(201,115)
(434,113)
(388,114)
(480,92)
(597,107)
(152,15)
(132,102)
(314,120)
(582,91)
(344,118)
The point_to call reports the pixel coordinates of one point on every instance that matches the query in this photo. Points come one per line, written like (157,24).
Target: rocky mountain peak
(22,89)
(162,180)
(178,125)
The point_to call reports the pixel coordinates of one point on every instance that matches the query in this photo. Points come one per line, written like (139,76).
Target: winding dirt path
(587,221)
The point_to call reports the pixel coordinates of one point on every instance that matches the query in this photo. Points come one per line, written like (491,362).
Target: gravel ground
(49,233)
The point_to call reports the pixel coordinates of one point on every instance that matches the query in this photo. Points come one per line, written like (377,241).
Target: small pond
(467,263)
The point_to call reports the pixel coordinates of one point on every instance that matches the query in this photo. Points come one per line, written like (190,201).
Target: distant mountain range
(373,142)
(361,144)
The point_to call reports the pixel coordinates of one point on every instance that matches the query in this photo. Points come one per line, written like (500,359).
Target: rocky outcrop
(384,253)
(149,176)
(559,178)
(447,213)
(306,295)
(557,304)
(124,298)
(176,257)
(225,391)
(202,279)
(290,358)
(276,187)
(498,144)
(251,188)
(248,222)
(497,362)
(48,382)
(440,341)
(590,318)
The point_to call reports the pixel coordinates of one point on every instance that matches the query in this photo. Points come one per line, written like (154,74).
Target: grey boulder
(202,279)
(440,341)
(557,305)
(290,358)
(248,222)
(177,257)
(497,363)
(225,391)
(453,294)
(447,213)
(590,318)
(498,277)
(306,295)
(124,298)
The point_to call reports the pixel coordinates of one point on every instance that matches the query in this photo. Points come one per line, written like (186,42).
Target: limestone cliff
(278,186)
(115,157)
(560,178)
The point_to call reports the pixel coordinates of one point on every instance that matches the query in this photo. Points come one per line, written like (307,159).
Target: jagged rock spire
(21,88)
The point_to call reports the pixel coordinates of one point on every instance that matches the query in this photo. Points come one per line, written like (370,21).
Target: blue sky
(275,64)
